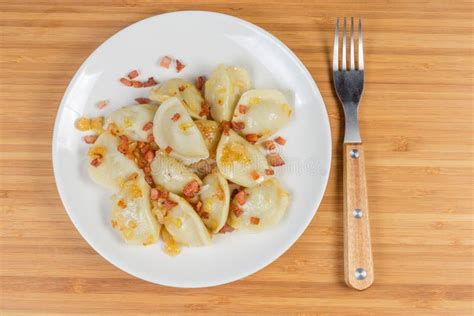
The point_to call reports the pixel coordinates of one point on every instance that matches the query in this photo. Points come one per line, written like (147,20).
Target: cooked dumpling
(131,120)
(172,174)
(211,132)
(184,224)
(177,134)
(185,91)
(107,166)
(259,207)
(223,89)
(215,198)
(262,112)
(131,213)
(239,161)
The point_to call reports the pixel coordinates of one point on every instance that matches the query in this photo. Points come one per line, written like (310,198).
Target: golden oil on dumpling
(131,213)
(239,161)
(184,224)
(106,165)
(171,174)
(177,134)
(185,91)
(259,207)
(215,197)
(132,119)
(262,112)
(223,89)
(211,133)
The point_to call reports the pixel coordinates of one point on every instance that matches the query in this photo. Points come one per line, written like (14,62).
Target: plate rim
(280,251)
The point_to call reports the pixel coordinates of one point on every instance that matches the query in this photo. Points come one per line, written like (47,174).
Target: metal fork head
(349,83)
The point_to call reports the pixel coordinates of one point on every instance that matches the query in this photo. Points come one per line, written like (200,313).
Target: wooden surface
(417,126)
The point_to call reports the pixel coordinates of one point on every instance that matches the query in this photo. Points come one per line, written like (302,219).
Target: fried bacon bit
(269,145)
(150,82)
(149,180)
(240,197)
(102,104)
(238,126)
(137,84)
(96,162)
(165,62)
(147,169)
(275,160)
(204,109)
(90,139)
(132,176)
(146,147)
(243,109)
(200,81)
(254,174)
(142,100)
(149,155)
(168,204)
(198,207)
(154,194)
(179,65)
(123,145)
(176,117)
(133,74)
(251,138)
(226,229)
(181,88)
(225,127)
(150,138)
(269,172)
(236,210)
(126,82)
(168,150)
(204,215)
(191,188)
(254,220)
(148,126)
(280,140)
(121,204)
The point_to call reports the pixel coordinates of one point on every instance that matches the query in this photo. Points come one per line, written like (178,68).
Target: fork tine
(335,54)
(361,49)
(344,58)
(352,44)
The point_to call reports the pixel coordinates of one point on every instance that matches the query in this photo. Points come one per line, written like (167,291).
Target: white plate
(201,40)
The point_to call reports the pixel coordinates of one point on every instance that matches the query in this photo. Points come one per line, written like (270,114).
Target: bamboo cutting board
(417,126)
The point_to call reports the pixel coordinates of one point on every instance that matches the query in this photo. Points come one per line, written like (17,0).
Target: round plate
(201,40)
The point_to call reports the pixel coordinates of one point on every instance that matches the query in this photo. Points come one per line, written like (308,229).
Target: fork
(349,84)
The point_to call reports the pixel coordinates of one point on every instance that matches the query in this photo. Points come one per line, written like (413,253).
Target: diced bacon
(254,220)
(280,140)
(275,160)
(154,194)
(132,74)
(123,145)
(150,82)
(168,150)
(251,138)
(126,82)
(90,139)
(243,109)
(179,65)
(269,145)
(200,81)
(96,162)
(149,155)
(176,117)
(148,126)
(198,206)
(191,188)
(141,162)
(168,204)
(137,84)
(165,62)
(236,210)
(238,126)
(149,180)
(147,169)
(181,88)
(145,148)
(225,127)
(269,172)
(142,100)
(226,229)
(140,145)
(102,104)
(204,109)
(150,138)
(121,204)
(254,174)
(240,197)
(204,215)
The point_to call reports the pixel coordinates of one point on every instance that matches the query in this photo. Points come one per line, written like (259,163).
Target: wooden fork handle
(358,263)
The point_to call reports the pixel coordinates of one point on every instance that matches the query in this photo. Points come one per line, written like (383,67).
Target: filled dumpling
(223,89)
(215,198)
(184,224)
(132,120)
(239,161)
(262,112)
(172,174)
(211,133)
(107,166)
(177,134)
(131,213)
(259,207)
(185,91)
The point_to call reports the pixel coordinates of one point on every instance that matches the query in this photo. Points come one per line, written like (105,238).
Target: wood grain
(416,121)
(357,241)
